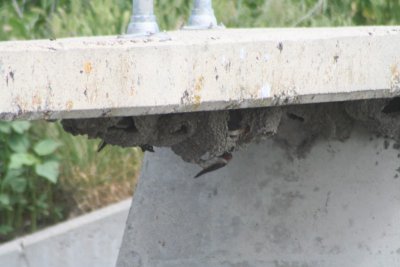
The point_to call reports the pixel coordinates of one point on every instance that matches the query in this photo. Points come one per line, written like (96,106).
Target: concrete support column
(337,206)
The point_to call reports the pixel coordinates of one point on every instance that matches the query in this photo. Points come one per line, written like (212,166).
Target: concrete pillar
(337,206)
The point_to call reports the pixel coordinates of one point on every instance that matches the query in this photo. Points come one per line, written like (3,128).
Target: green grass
(92,179)
(22,19)
(48,175)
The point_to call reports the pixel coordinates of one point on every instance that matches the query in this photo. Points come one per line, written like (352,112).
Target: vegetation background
(47,175)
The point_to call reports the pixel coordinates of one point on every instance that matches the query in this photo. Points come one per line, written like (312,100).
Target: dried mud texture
(197,137)
(381,117)
(303,124)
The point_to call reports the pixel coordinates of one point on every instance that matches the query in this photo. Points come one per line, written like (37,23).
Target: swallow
(216,164)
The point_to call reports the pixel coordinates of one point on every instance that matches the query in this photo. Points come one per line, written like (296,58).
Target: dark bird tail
(200,173)
(213,167)
(101,146)
(147,147)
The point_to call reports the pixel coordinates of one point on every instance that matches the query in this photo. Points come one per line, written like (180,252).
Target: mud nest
(200,136)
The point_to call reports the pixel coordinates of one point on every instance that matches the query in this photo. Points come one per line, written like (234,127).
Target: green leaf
(48,170)
(19,143)
(17,160)
(5,229)
(5,127)
(18,184)
(11,174)
(46,147)
(4,199)
(57,211)
(42,204)
(22,200)
(20,126)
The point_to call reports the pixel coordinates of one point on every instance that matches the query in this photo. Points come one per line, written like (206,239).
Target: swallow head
(226,156)
(239,133)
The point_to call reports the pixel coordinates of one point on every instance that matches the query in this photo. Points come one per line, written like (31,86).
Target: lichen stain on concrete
(198,87)
(395,77)
(394,70)
(87,67)
(69,105)
(132,90)
(199,84)
(197,100)
(36,100)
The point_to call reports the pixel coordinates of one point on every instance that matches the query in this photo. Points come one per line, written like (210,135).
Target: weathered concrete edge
(196,71)
(15,248)
(209,106)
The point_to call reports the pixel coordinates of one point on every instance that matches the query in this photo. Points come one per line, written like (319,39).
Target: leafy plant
(29,171)
(89,179)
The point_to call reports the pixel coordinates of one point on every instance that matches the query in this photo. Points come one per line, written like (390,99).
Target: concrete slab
(196,70)
(337,206)
(89,240)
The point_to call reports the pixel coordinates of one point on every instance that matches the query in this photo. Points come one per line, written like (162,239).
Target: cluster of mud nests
(200,136)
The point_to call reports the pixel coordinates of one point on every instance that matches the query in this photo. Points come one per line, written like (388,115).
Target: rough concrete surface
(92,239)
(338,205)
(192,71)
(201,136)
